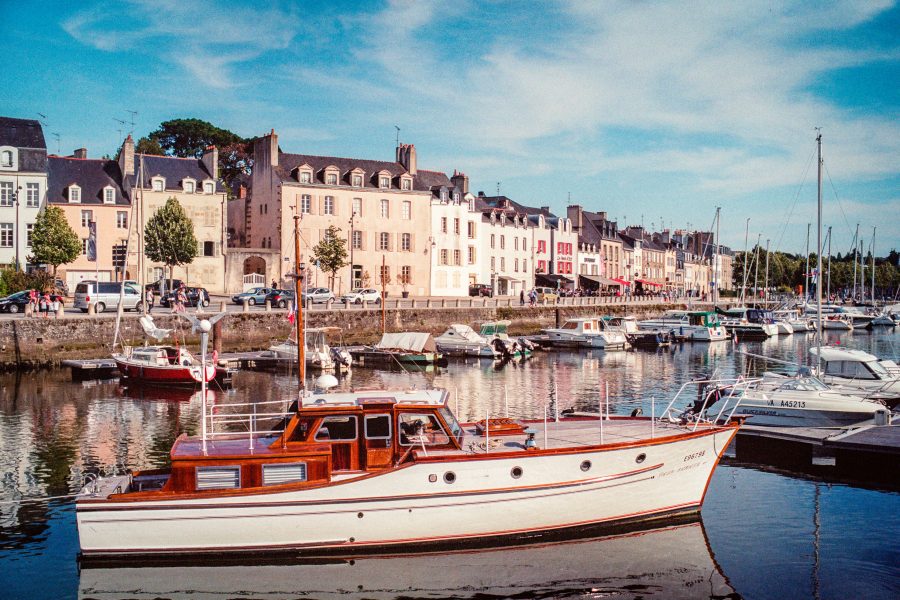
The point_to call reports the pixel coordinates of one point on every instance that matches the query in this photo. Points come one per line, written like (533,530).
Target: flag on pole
(92,241)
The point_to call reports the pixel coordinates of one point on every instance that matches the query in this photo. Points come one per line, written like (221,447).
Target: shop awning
(648,282)
(551,279)
(600,279)
(621,281)
(507,278)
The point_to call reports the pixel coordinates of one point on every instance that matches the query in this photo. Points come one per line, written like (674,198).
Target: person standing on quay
(148,300)
(522,297)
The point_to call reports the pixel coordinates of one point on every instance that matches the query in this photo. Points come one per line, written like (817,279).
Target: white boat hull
(784,327)
(420,504)
(786,412)
(694,333)
(606,340)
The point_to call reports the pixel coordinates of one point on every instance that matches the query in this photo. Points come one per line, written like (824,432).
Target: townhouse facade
(23,186)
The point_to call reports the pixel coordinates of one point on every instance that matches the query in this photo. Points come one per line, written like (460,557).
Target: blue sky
(658,111)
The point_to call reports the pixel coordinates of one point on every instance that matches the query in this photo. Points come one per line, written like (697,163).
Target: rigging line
(796,200)
(841,206)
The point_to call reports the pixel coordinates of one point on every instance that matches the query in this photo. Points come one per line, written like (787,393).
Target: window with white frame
(515,243)
(443,224)
(86,217)
(524,266)
(502,242)
(32,195)
(385,209)
(29,229)
(524,243)
(443,195)
(516,265)
(406,210)
(384,182)
(356,180)
(471,255)
(493,263)
(122,219)
(493,244)
(406,242)
(329,205)
(305,177)
(208,187)
(109,195)
(385,274)
(331,178)
(305,204)
(384,241)
(6,158)
(356,240)
(456,226)
(406,274)
(406,184)
(6,193)
(357,207)
(502,264)
(457,257)
(188,186)
(456,197)
(470,229)
(6,235)
(158,184)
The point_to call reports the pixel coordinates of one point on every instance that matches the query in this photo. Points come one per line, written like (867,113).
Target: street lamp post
(16,238)
(352,218)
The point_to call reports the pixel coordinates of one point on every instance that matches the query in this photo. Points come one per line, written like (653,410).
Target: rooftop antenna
(398,135)
(498,188)
(43,119)
(122,123)
(56,135)
(133,114)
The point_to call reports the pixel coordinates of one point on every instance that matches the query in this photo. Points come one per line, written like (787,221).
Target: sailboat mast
(298,302)
(744,282)
(766,293)
(819,251)
(716,282)
(873,266)
(855,245)
(862,272)
(756,269)
(829,262)
(806,277)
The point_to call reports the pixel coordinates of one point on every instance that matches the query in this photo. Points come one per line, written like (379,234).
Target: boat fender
(637,412)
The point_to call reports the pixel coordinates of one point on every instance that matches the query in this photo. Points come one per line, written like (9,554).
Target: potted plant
(385,281)
(404,281)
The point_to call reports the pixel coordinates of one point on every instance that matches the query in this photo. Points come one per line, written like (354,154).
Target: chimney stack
(210,159)
(126,157)
(80,153)
(461,180)
(406,156)
(576,215)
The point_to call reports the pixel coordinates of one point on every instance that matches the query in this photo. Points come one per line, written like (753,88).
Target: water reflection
(670,562)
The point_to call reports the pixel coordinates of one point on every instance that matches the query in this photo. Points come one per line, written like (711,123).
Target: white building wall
(449,243)
(27,214)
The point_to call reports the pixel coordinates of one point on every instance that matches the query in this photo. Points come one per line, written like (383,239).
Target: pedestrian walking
(54,304)
(148,300)
(522,297)
(33,302)
(45,304)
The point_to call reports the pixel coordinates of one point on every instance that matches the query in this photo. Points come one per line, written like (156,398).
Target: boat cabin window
(421,429)
(378,427)
(218,478)
(849,369)
(280,473)
(806,384)
(452,423)
(570,325)
(337,428)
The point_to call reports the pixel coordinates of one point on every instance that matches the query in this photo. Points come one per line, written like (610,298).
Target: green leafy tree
(169,237)
(188,138)
(53,241)
(331,252)
(147,145)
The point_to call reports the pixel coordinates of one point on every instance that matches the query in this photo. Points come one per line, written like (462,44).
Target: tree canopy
(53,241)
(188,138)
(331,252)
(169,236)
(146,145)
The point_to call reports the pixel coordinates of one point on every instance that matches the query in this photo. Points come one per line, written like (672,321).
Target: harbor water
(761,534)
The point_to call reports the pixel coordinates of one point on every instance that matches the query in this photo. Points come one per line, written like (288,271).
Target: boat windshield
(452,423)
(877,368)
(805,384)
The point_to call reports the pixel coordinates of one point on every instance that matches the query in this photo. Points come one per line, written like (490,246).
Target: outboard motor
(526,344)
(341,356)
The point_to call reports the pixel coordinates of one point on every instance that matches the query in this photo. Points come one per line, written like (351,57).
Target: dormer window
(158,184)
(304,177)
(384,182)
(189,185)
(209,187)
(405,183)
(331,176)
(109,195)
(356,180)
(74,194)
(443,195)
(456,197)
(6,159)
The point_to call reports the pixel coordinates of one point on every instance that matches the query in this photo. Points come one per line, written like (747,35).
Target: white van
(106,294)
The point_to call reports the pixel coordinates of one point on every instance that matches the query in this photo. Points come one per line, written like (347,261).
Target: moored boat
(162,365)
(637,337)
(394,469)
(318,354)
(749,322)
(461,340)
(856,371)
(690,325)
(497,333)
(586,332)
(398,349)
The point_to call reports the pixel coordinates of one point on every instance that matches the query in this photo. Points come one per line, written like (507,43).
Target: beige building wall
(112,222)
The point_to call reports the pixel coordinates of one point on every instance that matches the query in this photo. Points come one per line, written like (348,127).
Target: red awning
(646,282)
(621,281)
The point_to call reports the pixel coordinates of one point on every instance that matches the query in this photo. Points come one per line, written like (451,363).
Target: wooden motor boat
(586,333)
(359,471)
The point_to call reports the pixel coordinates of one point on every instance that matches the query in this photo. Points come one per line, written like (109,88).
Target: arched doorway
(254,272)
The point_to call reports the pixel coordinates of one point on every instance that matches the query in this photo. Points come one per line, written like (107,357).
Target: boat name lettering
(694,455)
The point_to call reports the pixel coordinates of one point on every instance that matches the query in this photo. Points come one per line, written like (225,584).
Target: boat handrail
(699,414)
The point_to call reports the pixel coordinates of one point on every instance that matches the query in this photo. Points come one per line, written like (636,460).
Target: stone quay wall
(34,342)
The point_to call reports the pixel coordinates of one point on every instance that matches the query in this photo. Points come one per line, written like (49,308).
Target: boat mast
(716,282)
(120,308)
(873,266)
(756,269)
(744,282)
(829,262)
(766,296)
(855,246)
(806,278)
(862,272)
(383,297)
(298,302)
(819,254)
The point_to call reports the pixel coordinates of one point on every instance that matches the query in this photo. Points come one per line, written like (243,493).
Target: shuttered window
(283,473)
(218,478)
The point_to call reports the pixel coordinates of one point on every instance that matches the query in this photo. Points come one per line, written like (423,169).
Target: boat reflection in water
(672,561)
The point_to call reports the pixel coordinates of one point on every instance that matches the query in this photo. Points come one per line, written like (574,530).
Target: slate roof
(496,201)
(173,169)
(21,133)
(423,180)
(90,175)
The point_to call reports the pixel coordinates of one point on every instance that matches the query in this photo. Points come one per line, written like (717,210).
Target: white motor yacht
(497,333)
(837,322)
(749,322)
(799,323)
(461,340)
(855,371)
(695,326)
(586,333)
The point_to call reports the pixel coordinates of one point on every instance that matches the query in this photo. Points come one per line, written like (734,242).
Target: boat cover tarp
(410,340)
(461,333)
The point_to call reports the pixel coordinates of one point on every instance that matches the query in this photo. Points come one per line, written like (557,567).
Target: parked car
(195,296)
(359,295)
(481,289)
(106,294)
(163,284)
(280,298)
(15,303)
(547,294)
(319,294)
(61,286)
(255,296)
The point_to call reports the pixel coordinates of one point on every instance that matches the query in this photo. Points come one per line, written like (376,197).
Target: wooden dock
(865,452)
(258,360)
(97,368)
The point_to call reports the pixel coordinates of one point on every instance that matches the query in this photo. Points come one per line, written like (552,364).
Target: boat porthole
(449,477)
(432,478)
(585,465)
(516,472)
(640,458)
(359,515)
(352,539)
